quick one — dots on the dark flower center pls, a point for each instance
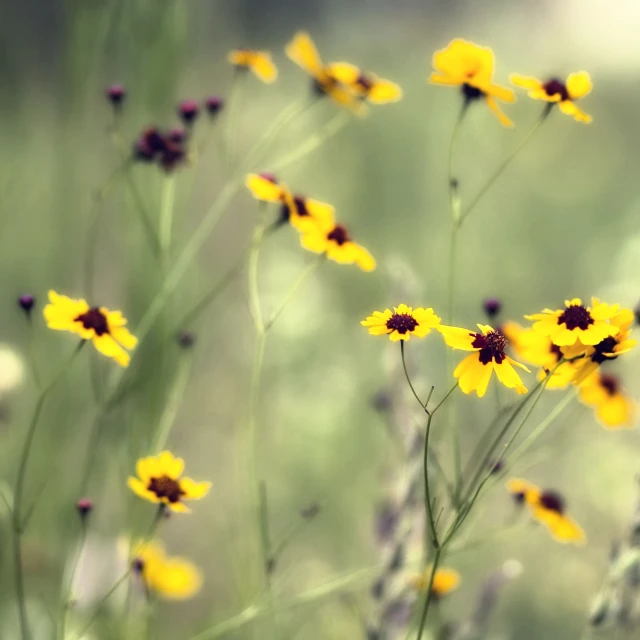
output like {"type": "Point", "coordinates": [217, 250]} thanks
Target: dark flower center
{"type": "Point", "coordinates": [339, 235]}
{"type": "Point", "coordinates": [166, 487]}
{"type": "Point", "coordinates": [576, 316]}
{"type": "Point", "coordinates": [609, 383]}
{"type": "Point", "coordinates": [300, 209]}
{"type": "Point", "coordinates": [552, 501]}
{"type": "Point", "coordinates": [364, 82]}
{"type": "Point", "coordinates": [602, 348]}
{"type": "Point", "coordinates": [491, 345]}
{"type": "Point", "coordinates": [519, 497]}
{"type": "Point", "coordinates": [557, 351]}
{"type": "Point", "coordinates": [402, 323]}
{"type": "Point", "coordinates": [555, 86]}
{"type": "Point", "coordinates": [94, 319]}
{"type": "Point", "coordinates": [471, 93]}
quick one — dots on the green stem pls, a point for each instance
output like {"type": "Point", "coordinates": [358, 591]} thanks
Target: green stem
{"type": "Point", "coordinates": [67, 593]}
{"type": "Point", "coordinates": [498, 172]}
{"type": "Point", "coordinates": [33, 363]}
{"type": "Point", "coordinates": [232, 110]}
{"type": "Point", "coordinates": [423, 405]}
{"type": "Point", "coordinates": [167, 204]}
{"type": "Point", "coordinates": [429, 595]}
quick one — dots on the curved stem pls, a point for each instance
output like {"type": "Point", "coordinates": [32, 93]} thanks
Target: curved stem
{"type": "Point", "coordinates": [423, 405]}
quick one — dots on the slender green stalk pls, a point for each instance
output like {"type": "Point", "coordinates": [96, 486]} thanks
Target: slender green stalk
{"type": "Point", "coordinates": [505, 163]}
{"type": "Point", "coordinates": [33, 363]}
{"type": "Point", "coordinates": [406, 375]}
{"type": "Point", "coordinates": [233, 117]}
{"type": "Point", "coordinates": [67, 592]}
{"type": "Point", "coordinates": [167, 205]}
{"type": "Point", "coordinates": [429, 595]}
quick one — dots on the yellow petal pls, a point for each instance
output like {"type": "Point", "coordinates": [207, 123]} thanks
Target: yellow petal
{"type": "Point", "coordinates": [169, 465]}
{"type": "Point", "coordinates": [384, 91]}
{"type": "Point", "coordinates": [458, 338]}
{"type": "Point", "coordinates": [263, 67]}
{"type": "Point", "coordinates": [444, 581]}
{"type": "Point", "coordinates": [303, 52]}
{"type": "Point", "coordinates": [493, 105]}
{"type": "Point", "coordinates": [239, 57]}
{"type": "Point", "coordinates": [578, 85]}
{"type": "Point", "coordinates": [194, 490]}
{"type": "Point", "coordinates": [107, 346]}
{"type": "Point", "coordinates": [526, 82]}
{"type": "Point", "coordinates": [314, 241]}
{"type": "Point", "coordinates": [263, 189]}
{"type": "Point", "coordinates": [344, 72]}
{"type": "Point", "coordinates": [140, 489]}
{"type": "Point", "coordinates": [174, 578]}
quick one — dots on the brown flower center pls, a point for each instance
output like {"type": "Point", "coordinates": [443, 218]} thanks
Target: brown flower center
{"type": "Point", "coordinates": [576, 316]}
{"type": "Point", "coordinates": [602, 348]}
{"type": "Point", "coordinates": [364, 82]}
{"type": "Point", "coordinates": [491, 345]}
{"type": "Point", "coordinates": [339, 235]}
{"type": "Point", "coordinates": [166, 487]}
{"type": "Point", "coordinates": [94, 319]}
{"type": "Point", "coordinates": [402, 323]}
{"type": "Point", "coordinates": [554, 87]}
{"type": "Point", "coordinates": [552, 501]}
{"type": "Point", "coordinates": [469, 92]}
{"type": "Point", "coordinates": [610, 383]}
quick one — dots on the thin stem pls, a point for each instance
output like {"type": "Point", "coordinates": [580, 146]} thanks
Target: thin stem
{"type": "Point", "coordinates": [67, 593]}
{"type": "Point", "coordinates": [167, 204]}
{"type": "Point", "coordinates": [429, 596]}
{"type": "Point", "coordinates": [233, 116]}
{"type": "Point", "coordinates": [33, 363]}
{"type": "Point", "coordinates": [501, 167]}
{"type": "Point", "coordinates": [423, 405]}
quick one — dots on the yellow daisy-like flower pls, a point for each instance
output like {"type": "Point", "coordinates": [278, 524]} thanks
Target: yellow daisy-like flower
{"type": "Point", "coordinates": [402, 322]}
{"type": "Point", "coordinates": [259, 62]}
{"type": "Point", "coordinates": [564, 94]}
{"type": "Point", "coordinates": [106, 329]}
{"type": "Point", "coordinates": [470, 66]}
{"type": "Point", "coordinates": [159, 480]}
{"type": "Point", "coordinates": [474, 372]}
{"type": "Point", "coordinates": [548, 507]}
{"type": "Point", "coordinates": [301, 212]}
{"type": "Point", "coordinates": [325, 236]}
{"type": "Point", "coordinates": [613, 408]}
{"type": "Point", "coordinates": [538, 350]}
{"type": "Point", "coordinates": [609, 349]}
{"type": "Point", "coordinates": [576, 324]}
{"type": "Point", "coordinates": [365, 85]}
{"type": "Point", "coordinates": [173, 578]}
{"type": "Point", "coordinates": [445, 581]}
{"type": "Point", "coordinates": [303, 52]}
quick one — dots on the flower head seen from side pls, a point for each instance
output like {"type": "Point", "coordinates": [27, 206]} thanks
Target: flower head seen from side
{"type": "Point", "coordinates": [365, 84]}
{"type": "Point", "coordinates": [488, 346]}
{"type": "Point", "coordinates": [160, 481]}
{"type": "Point", "coordinates": [614, 409]}
{"type": "Point", "coordinates": [549, 508]}
{"type": "Point", "coordinates": [444, 581]}
{"type": "Point", "coordinates": [402, 322]}
{"type": "Point", "coordinates": [300, 212]}
{"type": "Point", "coordinates": [470, 66]}
{"type": "Point", "coordinates": [258, 62]}
{"type": "Point", "coordinates": [302, 51]}
{"type": "Point", "coordinates": [555, 91]}
{"type": "Point", "coordinates": [106, 329]}
{"type": "Point", "coordinates": [577, 325]}
{"type": "Point", "coordinates": [334, 240]}
{"type": "Point", "coordinates": [170, 577]}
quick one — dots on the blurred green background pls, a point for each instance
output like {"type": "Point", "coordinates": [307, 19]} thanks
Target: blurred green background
{"type": "Point", "coordinates": [561, 222]}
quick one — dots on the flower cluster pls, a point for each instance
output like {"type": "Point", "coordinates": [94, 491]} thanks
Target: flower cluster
{"type": "Point", "coordinates": [166, 148]}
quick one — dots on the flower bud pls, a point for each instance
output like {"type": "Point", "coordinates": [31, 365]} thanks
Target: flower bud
{"type": "Point", "coordinates": [26, 302]}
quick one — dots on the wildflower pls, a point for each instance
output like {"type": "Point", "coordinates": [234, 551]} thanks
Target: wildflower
{"type": "Point", "coordinates": [26, 302]}
{"type": "Point", "coordinates": [470, 66]}
{"type": "Point", "coordinates": [549, 508]}
{"type": "Point", "coordinates": [116, 95]}
{"type": "Point", "coordinates": [402, 322]}
{"type": "Point", "coordinates": [445, 581]}
{"type": "Point", "coordinates": [492, 307]}
{"type": "Point", "coordinates": [106, 329]}
{"type": "Point", "coordinates": [303, 52]}
{"type": "Point", "coordinates": [259, 62]}
{"type": "Point", "coordinates": [576, 324]}
{"type": "Point", "coordinates": [301, 212]}
{"type": "Point", "coordinates": [474, 372]}
{"type": "Point", "coordinates": [173, 578]}
{"type": "Point", "coordinates": [555, 91]}
{"type": "Point", "coordinates": [159, 480]}
{"type": "Point", "coordinates": [365, 85]}
{"type": "Point", "coordinates": [188, 111]}
{"type": "Point", "coordinates": [214, 105]}
{"type": "Point", "coordinates": [325, 236]}
{"type": "Point", "coordinates": [604, 393]}
{"type": "Point", "coordinates": [84, 506]}
{"type": "Point", "coordinates": [177, 135]}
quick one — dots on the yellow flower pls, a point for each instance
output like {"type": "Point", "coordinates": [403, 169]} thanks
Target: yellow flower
{"type": "Point", "coordinates": [609, 349]}
{"type": "Point", "coordinates": [303, 52]}
{"type": "Point", "coordinates": [474, 372]}
{"type": "Point", "coordinates": [445, 581]}
{"type": "Point", "coordinates": [259, 62]}
{"type": "Point", "coordinates": [564, 94]}
{"type": "Point", "coordinates": [106, 329]}
{"type": "Point", "coordinates": [159, 480]}
{"type": "Point", "coordinates": [173, 578]}
{"type": "Point", "coordinates": [549, 508]}
{"type": "Point", "coordinates": [301, 212]}
{"type": "Point", "coordinates": [325, 236]}
{"type": "Point", "coordinates": [613, 407]}
{"type": "Point", "coordinates": [365, 85]}
{"type": "Point", "coordinates": [402, 322]}
{"type": "Point", "coordinates": [470, 66]}
{"type": "Point", "coordinates": [577, 325]}
{"type": "Point", "coordinates": [538, 350]}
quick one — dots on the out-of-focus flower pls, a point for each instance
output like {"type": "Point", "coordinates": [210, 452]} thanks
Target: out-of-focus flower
{"type": "Point", "coordinates": [613, 408]}
{"type": "Point", "coordinates": [548, 507]}
{"type": "Point", "coordinates": [303, 52]}
{"type": "Point", "coordinates": [26, 302]}
{"type": "Point", "coordinates": [555, 91]}
{"type": "Point", "coordinates": [474, 372]}
{"type": "Point", "coordinates": [156, 146]}
{"type": "Point", "coordinates": [445, 581]}
{"type": "Point", "coordinates": [365, 85]}
{"type": "Point", "coordinates": [84, 506]}
{"type": "Point", "coordinates": [188, 111]}
{"type": "Point", "coordinates": [172, 578]}
{"type": "Point", "coordinates": [258, 62]}
{"type": "Point", "coordinates": [492, 307]}
{"type": "Point", "coordinates": [116, 95]}
{"type": "Point", "coordinates": [106, 329]}
{"type": "Point", "coordinates": [402, 322]}
{"type": "Point", "coordinates": [470, 66]}
{"type": "Point", "coordinates": [159, 480]}
{"type": "Point", "coordinates": [213, 105]}
{"type": "Point", "coordinates": [12, 368]}
{"type": "Point", "coordinates": [577, 324]}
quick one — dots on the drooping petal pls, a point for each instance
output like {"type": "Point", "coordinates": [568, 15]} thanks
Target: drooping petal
{"type": "Point", "coordinates": [263, 67]}
{"type": "Point", "coordinates": [303, 52]}
{"type": "Point", "coordinates": [263, 189]}
{"type": "Point", "coordinates": [384, 91]}
{"type": "Point", "coordinates": [194, 490]}
{"type": "Point", "coordinates": [458, 338]}
{"type": "Point", "coordinates": [107, 346]}
{"type": "Point", "coordinates": [493, 105]}
{"type": "Point", "coordinates": [578, 85]}
{"type": "Point", "coordinates": [526, 82]}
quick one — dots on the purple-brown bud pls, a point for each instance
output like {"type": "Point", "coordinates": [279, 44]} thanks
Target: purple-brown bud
{"type": "Point", "coordinates": [186, 340]}
{"type": "Point", "coordinates": [214, 105]}
{"type": "Point", "coordinates": [84, 507]}
{"type": "Point", "coordinates": [492, 307]}
{"type": "Point", "coordinates": [26, 302]}
{"type": "Point", "coordinates": [188, 110]}
{"type": "Point", "coordinates": [116, 95]}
